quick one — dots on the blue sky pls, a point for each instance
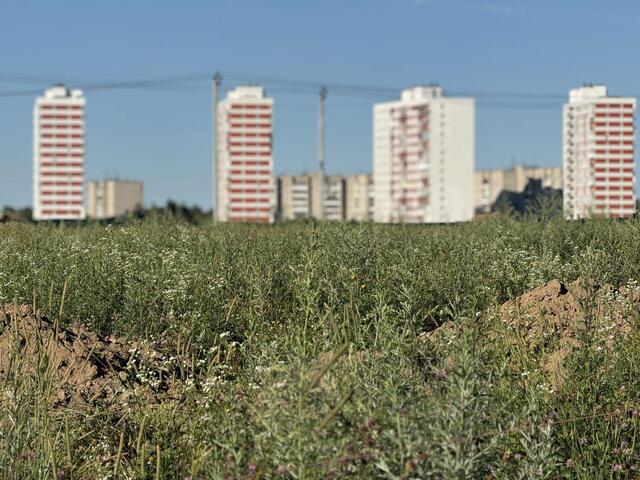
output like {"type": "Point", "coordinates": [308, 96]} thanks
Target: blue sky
{"type": "Point", "coordinates": [162, 135]}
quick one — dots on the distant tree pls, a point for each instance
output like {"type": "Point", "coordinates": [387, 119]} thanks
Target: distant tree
{"type": "Point", "coordinates": [17, 214]}
{"type": "Point", "coordinates": [546, 206]}
{"type": "Point", "coordinates": [504, 207]}
{"type": "Point", "coordinates": [174, 211]}
{"type": "Point", "coordinates": [535, 201]}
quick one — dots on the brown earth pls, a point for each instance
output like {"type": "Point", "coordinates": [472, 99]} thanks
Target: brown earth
{"type": "Point", "coordinates": [74, 366]}
{"type": "Point", "coordinates": [551, 321]}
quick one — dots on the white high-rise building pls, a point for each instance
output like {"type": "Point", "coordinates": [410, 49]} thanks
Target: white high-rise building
{"type": "Point", "coordinates": [598, 154]}
{"type": "Point", "coordinates": [244, 170]}
{"type": "Point", "coordinates": [423, 157]}
{"type": "Point", "coordinates": [58, 155]}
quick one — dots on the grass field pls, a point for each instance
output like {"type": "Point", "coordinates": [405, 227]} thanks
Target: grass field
{"type": "Point", "coordinates": [303, 351]}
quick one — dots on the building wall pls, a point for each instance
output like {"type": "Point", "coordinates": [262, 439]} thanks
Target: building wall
{"type": "Point", "coordinates": [382, 161]}
{"type": "Point", "coordinates": [244, 170]}
{"type": "Point", "coordinates": [113, 198]}
{"type": "Point", "coordinates": [316, 195]}
{"type": "Point", "coordinates": [359, 195]}
{"type": "Point", "coordinates": [332, 207]}
{"type": "Point", "coordinates": [334, 198]}
{"type": "Point", "coordinates": [128, 196]}
{"type": "Point", "coordinates": [490, 183]}
{"type": "Point", "coordinates": [598, 154]}
{"type": "Point", "coordinates": [95, 200]}
{"type": "Point", "coordinates": [424, 153]}
{"type": "Point", "coordinates": [300, 197]}
{"type": "Point", "coordinates": [456, 159]}
{"type": "Point", "coordinates": [58, 155]}
{"type": "Point", "coordinates": [295, 196]}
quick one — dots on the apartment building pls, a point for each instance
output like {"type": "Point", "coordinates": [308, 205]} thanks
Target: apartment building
{"type": "Point", "coordinates": [301, 196]}
{"type": "Point", "coordinates": [113, 198]}
{"type": "Point", "coordinates": [423, 157]}
{"type": "Point", "coordinates": [598, 154]}
{"type": "Point", "coordinates": [359, 197]}
{"type": "Point", "coordinates": [333, 204]}
{"type": "Point", "coordinates": [294, 197]}
{"type": "Point", "coordinates": [244, 165]}
{"type": "Point", "coordinates": [58, 154]}
{"type": "Point", "coordinates": [489, 184]}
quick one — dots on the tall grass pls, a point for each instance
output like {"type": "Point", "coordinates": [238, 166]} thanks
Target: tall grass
{"type": "Point", "coordinates": [314, 365]}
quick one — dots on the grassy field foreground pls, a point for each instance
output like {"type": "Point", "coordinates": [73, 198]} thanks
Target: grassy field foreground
{"type": "Point", "coordinates": [328, 351]}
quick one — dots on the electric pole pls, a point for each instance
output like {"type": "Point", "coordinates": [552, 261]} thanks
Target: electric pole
{"type": "Point", "coordinates": [216, 81]}
{"type": "Point", "coordinates": [323, 95]}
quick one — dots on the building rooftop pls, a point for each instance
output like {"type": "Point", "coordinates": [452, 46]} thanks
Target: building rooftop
{"type": "Point", "coordinates": [421, 92]}
{"type": "Point", "coordinates": [246, 92]}
{"type": "Point", "coordinates": [587, 91]}
{"type": "Point", "coordinates": [62, 91]}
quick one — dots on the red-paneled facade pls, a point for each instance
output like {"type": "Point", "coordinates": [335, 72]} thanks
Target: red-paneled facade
{"type": "Point", "coordinates": [59, 149]}
{"type": "Point", "coordinates": [599, 155]}
{"type": "Point", "coordinates": [245, 169]}
{"type": "Point", "coordinates": [409, 163]}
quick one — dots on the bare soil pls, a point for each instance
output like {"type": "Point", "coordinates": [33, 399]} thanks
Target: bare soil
{"type": "Point", "coordinates": [549, 322]}
{"type": "Point", "coordinates": [553, 319]}
{"type": "Point", "coordinates": [74, 366]}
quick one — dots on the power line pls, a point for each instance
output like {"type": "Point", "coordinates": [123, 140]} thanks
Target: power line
{"type": "Point", "coordinates": [287, 86]}
{"type": "Point", "coordinates": [290, 85]}
{"type": "Point", "coordinates": [20, 93]}
{"type": "Point", "coordinates": [153, 88]}
{"type": "Point", "coordinates": [21, 78]}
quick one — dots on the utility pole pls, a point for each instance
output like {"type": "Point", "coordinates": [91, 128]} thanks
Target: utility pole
{"type": "Point", "coordinates": [323, 95]}
{"type": "Point", "coordinates": [215, 151]}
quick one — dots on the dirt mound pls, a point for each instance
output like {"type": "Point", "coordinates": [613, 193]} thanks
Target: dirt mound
{"type": "Point", "coordinates": [74, 366]}
{"type": "Point", "coordinates": [552, 319]}
{"type": "Point", "coordinates": [549, 322]}
{"type": "Point", "coordinates": [552, 299]}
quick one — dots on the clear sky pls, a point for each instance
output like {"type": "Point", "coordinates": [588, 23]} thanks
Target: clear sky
{"type": "Point", "coordinates": [162, 134]}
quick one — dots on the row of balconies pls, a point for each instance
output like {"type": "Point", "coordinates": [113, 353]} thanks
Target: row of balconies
{"type": "Point", "coordinates": [61, 196]}
{"type": "Point", "coordinates": [602, 150]}
{"type": "Point", "coordinates": [409, 131]}
{"type": "Point", "coordinates": [239, 131]}
{"type": "Point", "coordinates": [60, 152]}
{"type": "Point", "coordinates": [412, 142]}
{"type": "Point", "coordinates": [239, 180]}
{"type": "Point", "coordinates": [56, 173]}
{"type": "Point", "coordinates": [55, 129]}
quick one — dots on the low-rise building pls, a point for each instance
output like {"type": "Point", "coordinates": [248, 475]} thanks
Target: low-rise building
{"type": "Point", "coordinates": [311, 196]}
{"type": "Point", "coordinates": [489, 184]}
{"type": "Point", "coordinates": [359, 197]}
{"type": "Point", "coordinates": [334, 197]}
{"type": "Point", "coordinates": [294, 197]}
{"type": "Point", "coordinates": [113, 197]}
